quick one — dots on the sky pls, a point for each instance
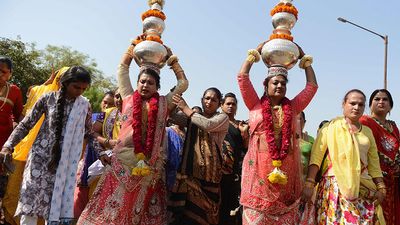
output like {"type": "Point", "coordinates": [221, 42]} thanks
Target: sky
{"type": "Point", "coordinates": [211, 39]}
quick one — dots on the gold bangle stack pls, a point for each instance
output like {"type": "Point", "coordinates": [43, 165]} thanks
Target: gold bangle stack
{"type": "Point", "coordinates": [253, 56]}
{"type": "Point", "coordinates": [381, 187]}
{"type": "Point", "coordinates": [172, 60]}
{"type": "Point", "coordinates": [306, 61]}
{"type": "Point", "coordinates": [129, 51]}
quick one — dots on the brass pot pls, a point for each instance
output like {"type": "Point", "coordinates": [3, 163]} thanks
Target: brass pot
{"type": "Point", "coordinates": [150, 52]}
{"type": "Point", "coordinates": [280, 52]}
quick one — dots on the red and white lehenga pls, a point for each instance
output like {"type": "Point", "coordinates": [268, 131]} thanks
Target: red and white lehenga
{"type": "Point", "coordinates": [121, 198]}
{"type": "Point", "coordinates": [264, 202]}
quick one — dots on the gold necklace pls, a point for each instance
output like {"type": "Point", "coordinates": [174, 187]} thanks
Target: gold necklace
{"type": "Point", "coordinates": [386, 125]}
{"type": "Point", "coordinates": [278, 120]}
{"type": "Point", "coordinates": [6, 96]}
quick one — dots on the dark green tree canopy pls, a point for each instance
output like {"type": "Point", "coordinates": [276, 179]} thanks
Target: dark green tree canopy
{"type": "Point", "coordinates": [34, 67]}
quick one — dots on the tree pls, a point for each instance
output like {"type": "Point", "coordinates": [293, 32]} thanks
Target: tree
{"type": "Point", "coordinates": [54, 57]}
{"type": "Point", "coordinates": [27, 63]}
{"type": "Point", "coordinates": [33, 67]}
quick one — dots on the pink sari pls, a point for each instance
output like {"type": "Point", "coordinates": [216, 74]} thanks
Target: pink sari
{"type": "Point", "coordinates": [121, 198]}
{"type": "Point", "coordinates": [264, 202]}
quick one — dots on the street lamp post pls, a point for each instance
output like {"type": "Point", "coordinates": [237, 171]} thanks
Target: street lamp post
{"type": "Point", "coordinates": [386, 41]}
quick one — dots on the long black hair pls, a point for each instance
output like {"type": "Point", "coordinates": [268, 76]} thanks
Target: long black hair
{"type": "Point", "coordinates": [73, 74]}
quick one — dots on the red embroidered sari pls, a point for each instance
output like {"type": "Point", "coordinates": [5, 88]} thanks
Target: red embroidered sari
{"type": "Point", "coordinates": [389, 155]}
{"type": "Point", "coordinates": [264, 202]}
{"type": "Point", "coordinates": [121, 198]}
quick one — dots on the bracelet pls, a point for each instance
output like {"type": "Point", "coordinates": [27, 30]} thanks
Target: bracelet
{"type": "Point", "coordinates": [309, 184]}
{"type": "Point", "coordinates": [253, 56]}
{"type": "Point", "coordinates": [306, 61]}
{"type": "Point", "coordinates": [130, 50]}
{"type": "Point", "coordinates": [172, 60]}
{"type": "Point", "coordinates": [380, 185]}
{"type": "Point", "coordinates": [311, 180]}
{"type": "Point", "coordinates": [179, 71]}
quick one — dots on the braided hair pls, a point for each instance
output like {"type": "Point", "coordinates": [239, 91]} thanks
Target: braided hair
{"type": "Point", "coordinates": [73, 74]}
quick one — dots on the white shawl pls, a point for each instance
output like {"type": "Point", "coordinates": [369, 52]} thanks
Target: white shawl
{"type": "Point", "coordinates": [62, 201]}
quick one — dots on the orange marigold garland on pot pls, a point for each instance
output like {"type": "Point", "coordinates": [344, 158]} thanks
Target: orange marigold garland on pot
{"type": "Point", "coordinates": [154, 12]}
{"type": "Point", "coordinates": [285, 7]}
{"type": "Point", "coordinates": [154, 38]}
{"type": "Point", "coordinates": [148, 38]}
{"type": "Point", "coordinates": [281, 36]}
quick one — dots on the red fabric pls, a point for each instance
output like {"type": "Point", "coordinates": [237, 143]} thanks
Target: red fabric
{"type": "Point", "coordinates": [389, 154]}
{"type": "Point", "coordinates": [271, 200]}
{"type": "Point", "coordinates": [121, 198]}
{"type": "Point", "coordinates": [9, 113]}
{"type": "Point", "coordinates": [81, 198]}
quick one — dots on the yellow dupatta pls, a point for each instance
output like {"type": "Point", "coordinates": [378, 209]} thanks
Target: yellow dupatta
{"type": "Point", "coordinates": [22, 149]}
{"type": "Point", "coordinates": [113, 111]}
{"type": "Point", "coordinates": [345, 157]}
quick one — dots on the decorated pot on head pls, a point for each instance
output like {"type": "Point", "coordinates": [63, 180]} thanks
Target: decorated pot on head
{"type": "Point", "coordinates": [151, 50]}
{"type": "Point", "coordinates": [280, 49]}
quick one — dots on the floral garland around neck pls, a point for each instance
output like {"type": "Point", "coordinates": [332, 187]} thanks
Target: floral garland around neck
{"type": "Point", "coordinates": [143, 151]}
{"type": "Point", "coordinates": [278, 153]}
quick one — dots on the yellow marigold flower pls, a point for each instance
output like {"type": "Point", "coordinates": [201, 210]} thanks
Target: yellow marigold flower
{"type": "Point", "coordinates": [277, 163]}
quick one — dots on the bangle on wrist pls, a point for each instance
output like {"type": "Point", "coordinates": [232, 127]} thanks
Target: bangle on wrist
{"type": "Point", "coordinates": [309, 184]}
{"type": "Point", "coordinates": [253, 56]}
{"type": "Point", "coordinates": [311, 180]}
{"type": "Point", "coordinates": [172, 60]}
{"type": "Point", "coordinates": [305, 61]}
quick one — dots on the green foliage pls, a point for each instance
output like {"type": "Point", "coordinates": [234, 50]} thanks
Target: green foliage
{"type": "Point", "coordinates": [95, 96]}
{"type": "Point", "coordinates": [26, 59]}
{"type": "Point", "coordinates": [33, 66]}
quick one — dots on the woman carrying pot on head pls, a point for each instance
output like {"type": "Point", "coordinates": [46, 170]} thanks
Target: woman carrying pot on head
{"type": "Point", "coordinates": [352, 188]}
{"type": "Point", "coordinates": [272, 174]}
{"type": "Point", "coordinates": [132, 189]}
{"type": "Point", "coordinates": [387, 140]}
{"type": "Point", "coordinates": [50, 171]}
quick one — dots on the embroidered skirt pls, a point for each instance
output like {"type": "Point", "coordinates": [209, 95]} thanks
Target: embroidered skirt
{"type": "Point", "coordinates": [113, 204]}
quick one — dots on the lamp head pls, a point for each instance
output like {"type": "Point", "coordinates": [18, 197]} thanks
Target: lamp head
{"type": "Point", "coordinates": [342, 20]}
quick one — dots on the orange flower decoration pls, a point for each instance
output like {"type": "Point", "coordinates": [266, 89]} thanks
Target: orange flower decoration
{"type": "Point", "coordinates": [149, 38]}
{"type": "Point", "coordinates": [281, 36]}
{"type": "Point", "coordinates": [154, 38]}
{"type": "Point", "coordinates": [153, 12]}
{"type": "Point", "coordinates": [282, 7]}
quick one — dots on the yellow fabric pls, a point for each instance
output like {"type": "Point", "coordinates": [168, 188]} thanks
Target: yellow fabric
{"type": "Point", "coordinates": [345, 157]}
{"type": "Point", "coordinates": [116, 127]}
{"type": "Point", "coordinates": [374, 167]}
{"type": "Point", "coordinates": [22, 149]}
{"type": "Point", "coordinates": [319, 147]}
